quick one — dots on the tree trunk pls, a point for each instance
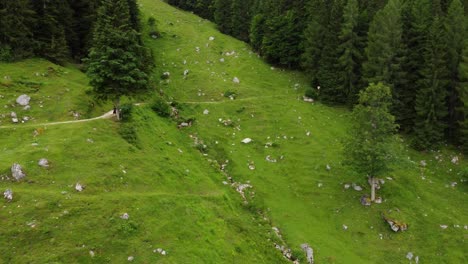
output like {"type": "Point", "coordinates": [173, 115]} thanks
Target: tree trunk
{"type": "Point", "coordinates": [372, 183]}
{"type": "Point", "coordinates": [117, 108]}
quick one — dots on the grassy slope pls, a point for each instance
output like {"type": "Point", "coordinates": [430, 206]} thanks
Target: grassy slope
{"type": "Point", "coordinates": [177, 201]}
{"type": "Point", "coordinates": [267, 110]}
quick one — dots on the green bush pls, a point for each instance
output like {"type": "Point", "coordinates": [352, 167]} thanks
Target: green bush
{"type": "Point", "coordinates": [230, 94]}
{"type": "Point", "coordinates": [311, 93]}
{"type": "Point", "coordinates": [128, 132]}
{"type": "Point", "coordinates": [126, 112]}
{"type": "Point", "coordinates": [160, 107]}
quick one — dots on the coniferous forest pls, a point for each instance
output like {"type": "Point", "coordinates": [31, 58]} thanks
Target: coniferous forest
{"type": "Point", "coordinates": [417, 47]}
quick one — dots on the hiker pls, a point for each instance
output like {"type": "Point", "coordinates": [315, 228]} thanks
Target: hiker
{"type": "Point", "coordinates": [115, 110]}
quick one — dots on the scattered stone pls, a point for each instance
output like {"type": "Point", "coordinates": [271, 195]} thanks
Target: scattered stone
{"type": "Point", "coordinates": [270, 159]}
{"type": "Point", "coordinates": [345, 227]}
{"type": "Point", "coordinates": [423, 163]}
{"type": "Point", "coordinates": [409, 256]}
{"type": "Point", "coordinates": [197, 49]}
{"type": "Point", "coordinates": [26, 108]}
{"type": "Point", "coordinates": [79, 187]}
{"type": "Point", "coordinates": [211, 38]}
{"type": "Point", "coordinates": [328, 167]}
{"type": "Point", "coordinates": [89, 140]}
{"type": "Point", "coordinates": [309, 253]}
{"type": "Point", "coordinates": [91, 253]}
{"type": "Point", "coordinates": [378, 200]}
{"type": "Point", "coordinates": [365, 200]}
{"type": "Point", "coordinates": [308, 133]}
{"type": "Point", "coordinates": [416, 259]}
{"type": "Point", "coordinates": [205, 112]}
{"type": "Point", "coordinates": [13, 115]}
{"type": "Point", "coordinates": [166, 75]}
{"type": "Point", "coordinates": [346, 186]}
{"type": "Point", "coordinates": [455, 160]}
{"type": "Point", "coordinates": [130, 258]}
{"type": "Point", "coordinates": [17, 171]}
{"type": "Point", "coordinates": [43, 163]}
{"type": "Point", "coordinates": [8, 195]}
{"type": "Point", "coordinates": [23, 100]}
{"type": "Point", "coordinates": [14, 120]}
{"type": "Point", "coordinates": [453, 184]}
{"type": "Point", "coordinates": [25, 118]}
{"type": "Point", "coordinates": [443, 226]}
{"type": "Point", "coordinates": [246, 140]}
{"type": "Point", "coordinates": [125, 216]}
{"type": "Point", "coordinates": [308, 99]}
{"type": "Point", "coordinates": [357, 187]}
{"type": "Point", "coordinates": [320, 185]}
{"type": "Point", "coordinates": [395, 225]}
{"type": "Point", "coordinates": [221, 60]}
{"type": "Point", "coordinates": [186, 72]}
{"type": "Point", "coordinates": [235, 80]}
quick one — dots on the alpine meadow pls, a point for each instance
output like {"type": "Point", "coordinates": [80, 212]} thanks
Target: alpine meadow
{"type": "Point", "coordinates": [229, 131]}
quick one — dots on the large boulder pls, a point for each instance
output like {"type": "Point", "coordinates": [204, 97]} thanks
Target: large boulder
{"type": "Point", "coordinates": [17, 172]}
{"type": "Point", "coordinates": [23, 100]}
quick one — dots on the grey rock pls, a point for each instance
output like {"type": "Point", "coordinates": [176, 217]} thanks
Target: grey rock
{"type": "Point", "coordinates": [43, 163]}
{"type": "Point", "coordinates": [8, 194]}
{"type": "Point", "coordinates": [27, 107]}
{"type": "Point", "coordinates": [13, 115]}
{"type": "Point", "coordinates": [365, 200]}
{"type": "Point", "coordinates": [14, 120]}
{"type": "Point", "coordinates": [17, 171]}
{"type": "Point", "coordinates": [357, 187]}
{"type": "Point", "coordinates": [79, 187]}
{"type": "Point", "coordinates": [125, 216]}
{"type": "Point", "coordinates": [409, 256]}
{"type": "Point", "coordinates": [309, 253]}
{"type": "Point", "coordinates": [23, 100]}
{"type": "Point", "coordinates": [235, 80]}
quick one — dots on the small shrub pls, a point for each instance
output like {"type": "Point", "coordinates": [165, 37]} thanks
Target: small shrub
{"type": "Point", "coordinates": [230, 94]}
{"type": "Point", "coordinates": [126, 112]}
{"type": "Point", "coordinates": [311, 93]}
{"type": "Point", "coordinates": [128, 132]}
{"type": "Point", "coordinates": [161, 108]}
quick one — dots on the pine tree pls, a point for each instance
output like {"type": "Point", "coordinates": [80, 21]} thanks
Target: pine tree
{"type": "Point", "coordinates": [223, 15]}
{"type": "Point", "coordinates": [430, 102]}
{"type": "Point", "coordinates": [386, 51]}
{"type": "Point", "coordinates": [241, 17]}
{"type": "Point", "coordinates": [16, 35]}
{"type": "Point", "coordinates": [115, 65]}
{"type": "Point", "coordinates": [282, 40]}
{"type": "Point", "coordinates": [417, 22]}
{"type": "Point", "coordinates": [367, 148]}
{"type": "Point", "coordinates": [257, 31]}
{"type": "Point", "coordinates": [456, 34]}
{"type": "Point", "coordinates": [350, 53]}
{"type": "Point", "coordinates": [463, 96]}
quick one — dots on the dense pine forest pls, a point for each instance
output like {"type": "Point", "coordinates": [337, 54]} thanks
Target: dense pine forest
{"type": "Point", "coordinates": [417, 47]}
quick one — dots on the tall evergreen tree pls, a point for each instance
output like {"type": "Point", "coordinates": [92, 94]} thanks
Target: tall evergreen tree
{"type": "Point", "coordinates": [456, 34]}
{"type": "Point", "coordinates": [463, 95]}
{"type": "Point", "coordinates": [115, 64]}
{"type": "Point", "coordinates": [16, 34]}
{"type": "Point", "coordinates": [417, 22]}
{"type": "Point", "coordinates": [257, 31]}
{"type": "Point", "coordinates": [328, 72]}
{"type": "Point", "coordinates": [386, 51]}
{"type": "Point", "coordinates": [430, 102]}
{"type": "Point", "coordinates": [223, 15]}
{"type": "Point", "coordinates": [241, 18]}
{"type": "Point", "coordinates": [350, 53]}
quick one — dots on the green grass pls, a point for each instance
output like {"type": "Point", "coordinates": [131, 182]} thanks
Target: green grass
{"type": "Point", "coordinates": [174, 194]}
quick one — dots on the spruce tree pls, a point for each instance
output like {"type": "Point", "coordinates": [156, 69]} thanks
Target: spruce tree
{"type": "Point", "coordinates": [417, 22]}
{"type": "Point", "coordinates": [115, 66]}
{"type": "Point", "coordinates": [16, 29]}
{"type": "Point", "coordinates": [463, 96]}
{"type": "Point", "coordinates": [350, 53]}
{"type": "Point", "coordinates": [241, 17]}
{"type": "Point", "coordinates": [257, 32]}
{"type": "Point", "coordinates": [223, 15]}
{"type": "Point", "coordinates": [430, 102]}
{"type": "Point", "coordinates": [455, 36]}
{"type": "Point", "coordinates": [386, 51]}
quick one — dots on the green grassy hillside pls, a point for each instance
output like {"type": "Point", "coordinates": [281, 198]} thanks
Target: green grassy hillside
{"type": "Point", "coordinates": [174, 193]}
